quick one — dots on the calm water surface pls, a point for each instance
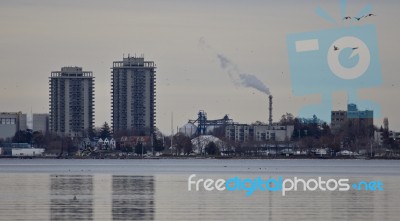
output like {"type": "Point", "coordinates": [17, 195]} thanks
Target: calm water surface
{"type": "Point", "coordinates": [157, 190]}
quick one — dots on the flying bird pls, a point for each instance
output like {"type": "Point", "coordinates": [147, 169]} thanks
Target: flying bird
{"type": "Point", "coordinates": [369, 15]}
{"type": "Point", "coordinates": [347, 18]}
{"type": "Point", "coordinates": [355, 48]}
{"type": "Point", "coordinates": [358, 18]}
{"type": "Point", "coordinates": [335, 48]}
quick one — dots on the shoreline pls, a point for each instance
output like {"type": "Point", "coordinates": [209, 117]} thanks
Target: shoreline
{"type": "Point", "coordinates": [203, 157]}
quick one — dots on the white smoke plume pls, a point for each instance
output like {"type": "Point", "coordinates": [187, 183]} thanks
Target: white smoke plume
{"type": "Point", "coordinates": [237, 77]}
{"type": "Point", "coordinates": [252, 81]}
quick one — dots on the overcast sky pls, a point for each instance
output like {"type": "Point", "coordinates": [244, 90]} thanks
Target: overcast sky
{"type": "Point", "coordinates": [37, 37]}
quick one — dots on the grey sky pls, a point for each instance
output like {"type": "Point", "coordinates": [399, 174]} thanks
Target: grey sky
{"type": "Point", "coordinates": [38, 37]}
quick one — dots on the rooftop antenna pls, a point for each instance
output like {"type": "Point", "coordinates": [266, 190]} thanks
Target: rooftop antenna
{"type": "Point", "coordinates": [172, 127]}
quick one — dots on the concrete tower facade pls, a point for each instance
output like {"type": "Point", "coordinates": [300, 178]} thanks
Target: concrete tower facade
{"type": "Point", "coordinates": [133, 96]}
{"type": "Point", "coordinates": [40, 122]}
{"type": "Point", "coordinates": [11, 123]}
{"type": "Point", "coordinates": [71, 102]}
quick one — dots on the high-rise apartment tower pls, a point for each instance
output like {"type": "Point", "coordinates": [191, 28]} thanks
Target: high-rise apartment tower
{"type": "Point", "coordinates": [71, 102]}
{"type": "Point", "coordinates": [133, 96]}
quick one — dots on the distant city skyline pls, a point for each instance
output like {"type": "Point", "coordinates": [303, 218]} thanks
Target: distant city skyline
{"type": "Point", "coordinates": [42, 36]}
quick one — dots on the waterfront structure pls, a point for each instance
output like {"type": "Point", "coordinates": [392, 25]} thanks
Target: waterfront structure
{"type": "Point", "coordinates": [24, 152]}
{"type": "Point", "coordinates": [361, 119]}
{"type": "Point", "coordinates": [245, 132]}
{"type": "Point", "coordinates": [108, 142]}
{"type": "Point", "coordinates": [40, 122]}
{"type": "Point", "coordinates": [338, 119]}
{"type": "Point", "coordinates": [10, 123]}
{"type": "Point", "coordinates": [133, 96]}
{"type": "Point", "coordinates": [378, 137]}
{"type": "Point", "coordinates": [189, 129]}
{"type": "Point", "coordinates": [71, 102]}
{"type": "Point", "coordinates": [391, 135]}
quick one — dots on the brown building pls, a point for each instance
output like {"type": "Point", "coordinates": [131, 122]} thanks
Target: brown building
{"type": "Point", "coordinates": [338, 119]}
{"type": "Point", "coordinates": [353, 118]}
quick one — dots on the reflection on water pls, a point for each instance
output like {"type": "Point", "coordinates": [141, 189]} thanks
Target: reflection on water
{"type": "Point", "coordinates": [164, 196]}
{"type": "Point", "coordinates": [133, 197]}
{"type": "Point", "coordinates": [316, 205]}
{"type": "Point", "coordinates": [71, 197]}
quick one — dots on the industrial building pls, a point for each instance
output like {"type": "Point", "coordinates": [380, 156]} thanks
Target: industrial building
{"type": "Point", "coordinates": [392, 135]}
{"type": "Point", "coordinates": [361, 119]}
{"type": "Point", "coordinates": [189, 129]}
{"type": "Point", "coordinates": [246, 133]}
{"type": "Point", "coordinates": [10, 123]}
{"type": "Point", "coordinates": [40, 122]}
{"type": "Point", "coordinates": [204, 125]}
{"type": "Point", "coordinates": [133, 96]}
{"type": "Point", "coordinates": [26, 152]}
{"type": "Point", "coordinates": [239, 132]}
{"type": "Point", "coordinates": [71, 101]}
{"type": "Point", "coordinates": [338, 118]}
